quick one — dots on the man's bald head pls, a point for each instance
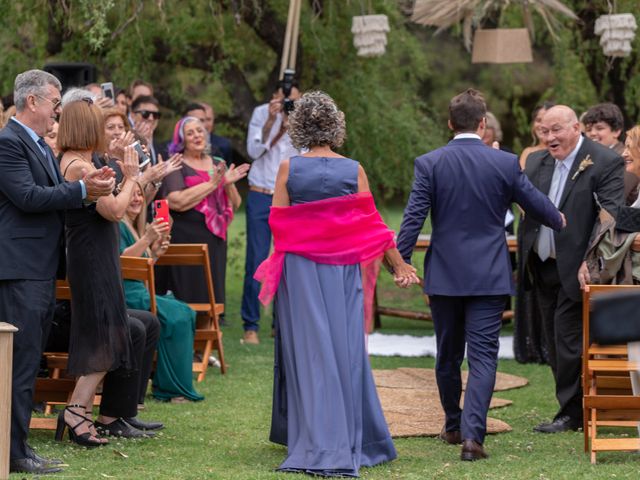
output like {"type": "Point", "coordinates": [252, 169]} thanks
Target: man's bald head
{"type": "Point", "coordinates": [563, 112]}
{"type": "Point", "coordinates": [560, 129]}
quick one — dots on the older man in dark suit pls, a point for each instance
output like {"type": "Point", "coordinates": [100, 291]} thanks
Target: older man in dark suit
{"type": "Point", "coordinates": [33, 197]}
{"type": "Point", "coordinates": [578, 175]}
{"type": "Point", "coordinates": [468, 187]}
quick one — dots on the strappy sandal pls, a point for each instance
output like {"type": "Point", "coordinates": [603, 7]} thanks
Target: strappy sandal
{"type": "Point", "coordinates": [84, 439]}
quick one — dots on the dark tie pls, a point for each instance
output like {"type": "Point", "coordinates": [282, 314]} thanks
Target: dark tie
{"type": "Point", "coordinates": [50, 161]}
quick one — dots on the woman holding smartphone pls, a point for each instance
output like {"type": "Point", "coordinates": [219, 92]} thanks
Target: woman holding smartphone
{"type": "Point", "coordinates": [173, 379]}
{"type": "Point", "coordinates": [202, 198]}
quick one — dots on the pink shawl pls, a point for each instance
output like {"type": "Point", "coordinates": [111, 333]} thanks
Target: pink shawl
{"type": "Point", "coordinates": [215, 207]}
{"type": "Point", "coordinates": [343, 230]}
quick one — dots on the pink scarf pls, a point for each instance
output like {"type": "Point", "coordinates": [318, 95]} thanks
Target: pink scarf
{"type": "Point", "coordinates": [337, 231]}
{"type": "Point", "coordinates": [215, 207]}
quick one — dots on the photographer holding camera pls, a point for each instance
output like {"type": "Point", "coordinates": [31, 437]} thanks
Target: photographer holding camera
{"type": "Point", "coordinates": [268, 143]}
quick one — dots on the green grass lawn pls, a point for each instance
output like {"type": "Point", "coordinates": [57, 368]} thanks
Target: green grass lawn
{"type": "Point", "coordinates": [226, 435]}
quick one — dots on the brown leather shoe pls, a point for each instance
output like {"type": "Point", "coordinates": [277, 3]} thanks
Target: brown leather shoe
{"type": "Point", "coordinates": [472, 450]}
{"type": "Point", "coordinates": [251, 337]}
{"type": "Point", "coordinates": [453, 438]}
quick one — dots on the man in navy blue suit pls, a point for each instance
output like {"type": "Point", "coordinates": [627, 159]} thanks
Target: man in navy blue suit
{"type": "Point", "coordinates": [33, 197]}
{"type": "Point", "coordinates": [468, 187]}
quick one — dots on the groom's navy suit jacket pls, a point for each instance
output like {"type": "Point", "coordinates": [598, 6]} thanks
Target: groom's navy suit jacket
{"type": "Point", "coordinates": [468, 188]}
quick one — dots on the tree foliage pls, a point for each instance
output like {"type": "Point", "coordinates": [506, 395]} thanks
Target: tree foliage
{"type": "Point", "coordinates": [227, 52]}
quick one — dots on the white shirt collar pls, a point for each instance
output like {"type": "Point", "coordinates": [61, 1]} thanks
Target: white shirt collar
{"type": "Point", "coordinates": [568, 161]}
{"type": "Point", "coordinates": [467, 135]}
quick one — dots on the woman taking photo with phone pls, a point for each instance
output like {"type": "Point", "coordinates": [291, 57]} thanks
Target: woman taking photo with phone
{"type": "Point", "coordinates": [173, 379]}
{"type": "Point", "coordinates": [202, 198]}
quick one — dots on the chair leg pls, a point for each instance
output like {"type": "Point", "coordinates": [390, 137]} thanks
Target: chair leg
{"type": "Point", "coordinates": [208, 347]}
{"type": "Point", "coordinates": [585, 428]}
{"type": "Point", "coordinates": [218, 346]}
{"type": "Point", "coordinates": [593, 434]}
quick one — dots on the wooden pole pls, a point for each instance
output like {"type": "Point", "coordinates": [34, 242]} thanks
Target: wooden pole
{"type": "Point", "coordinates": [287, 38]}
{"type": "Point", "coordinates": [6, 358]}
{"type": "Point", "coordinates": [294, 36]}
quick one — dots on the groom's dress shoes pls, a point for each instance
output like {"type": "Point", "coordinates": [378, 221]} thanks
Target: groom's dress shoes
{"type": "Point", "coordinates": [31, 465]}
{"type": "Point", "coordinates": [453, 438]}
{"type": "Point", "coordinates": [472, 451]}
{"type": "Point", "coordinates": [563, 423]}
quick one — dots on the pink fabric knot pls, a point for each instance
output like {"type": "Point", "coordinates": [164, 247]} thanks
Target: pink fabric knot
{"type": "Point", "coordinates": [215, 207]}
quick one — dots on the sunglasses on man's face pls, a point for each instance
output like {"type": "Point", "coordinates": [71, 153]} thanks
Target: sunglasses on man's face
{"type": "Point", "coordinates": [148, 113]}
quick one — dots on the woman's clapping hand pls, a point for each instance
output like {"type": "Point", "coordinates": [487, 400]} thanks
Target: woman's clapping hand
{"type": "Point", "coordinates": [217, 173]}
{"type": "Point", "coordinates": [233, 174]}
{"type": "Point", "coordinates": [129, 165]}
{"type": "Point", "coordinates": [116, 145]}
{"type": "Point", "coordinates": [157, 172]}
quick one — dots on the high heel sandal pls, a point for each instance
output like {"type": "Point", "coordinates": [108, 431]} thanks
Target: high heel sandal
{"type": "Point", "coordinates": [83, 439]}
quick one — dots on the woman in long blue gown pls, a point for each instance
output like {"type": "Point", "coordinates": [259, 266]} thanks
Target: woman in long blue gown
{"type": "Point", "coordinates": [326, 408]}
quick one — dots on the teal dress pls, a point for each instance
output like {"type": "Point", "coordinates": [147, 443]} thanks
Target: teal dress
{"type": "Point", "coordinates": [173, 376]}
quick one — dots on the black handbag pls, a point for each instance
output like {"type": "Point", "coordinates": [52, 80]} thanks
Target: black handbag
{"type": "Point", "coordinates": [615, 318]}
{"type": "Point", "coordinates": [628, 219]}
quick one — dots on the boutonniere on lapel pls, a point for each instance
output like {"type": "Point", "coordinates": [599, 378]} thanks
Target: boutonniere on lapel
{"type": "Point", "coordinates": [584, 164]}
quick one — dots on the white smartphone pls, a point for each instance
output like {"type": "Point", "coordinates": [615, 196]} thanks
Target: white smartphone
{"type": "Point", "coordinates": [143, 158]}
{"type": "Point", "coordinates": [107, 90]}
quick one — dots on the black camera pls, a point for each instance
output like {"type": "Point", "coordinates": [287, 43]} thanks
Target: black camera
{"type": "Point", "coordinates": [287, 85]}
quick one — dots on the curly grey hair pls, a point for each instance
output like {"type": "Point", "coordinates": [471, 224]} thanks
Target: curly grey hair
{"type": "Point", "coordinates": [316, 121]}
{"type": "Point", "coordinates": [31, 82]}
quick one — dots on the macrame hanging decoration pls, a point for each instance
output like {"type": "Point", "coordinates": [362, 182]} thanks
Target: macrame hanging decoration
{"type": "Point", "coordinates": [616, 33]}
{"type": "Point", "coordinates": [370, 34]}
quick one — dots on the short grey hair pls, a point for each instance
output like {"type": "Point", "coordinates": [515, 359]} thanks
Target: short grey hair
{"type": "Point", "coordinates": [75, 95]}
{"type": "Point", "coordinates": [494, 123]}
{"type": "Point", "coordinates": [32, 82]}
{"type": "Point", "coordinates": [316, 121]}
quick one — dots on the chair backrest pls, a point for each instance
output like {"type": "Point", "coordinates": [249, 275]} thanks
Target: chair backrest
{"type": "Point", "coordinates": [589, 292]}
{"type": "Point", "coordinates": [190, 254]}
{"type": "Point", "coordinates": [140, 268]}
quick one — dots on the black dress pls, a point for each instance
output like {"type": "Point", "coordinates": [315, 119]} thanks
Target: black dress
{"type": "Point", "coordinates": [188, 283]}
{"type": "Point", "coordinates": [99, 339]}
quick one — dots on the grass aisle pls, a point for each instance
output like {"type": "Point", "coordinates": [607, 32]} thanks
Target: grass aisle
{"type": "Point", "coordinates": [226, 435]}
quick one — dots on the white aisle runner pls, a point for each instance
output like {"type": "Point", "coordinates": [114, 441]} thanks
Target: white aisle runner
{"type": "Point", "coordinates": [411, 346]}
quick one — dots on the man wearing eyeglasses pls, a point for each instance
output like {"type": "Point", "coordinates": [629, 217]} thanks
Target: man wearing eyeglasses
{"type": "Point", "coordinates": [145, 113]}
{"type": "Point", "coordinates": [33, 197]}
{"type": "Point", "coordinates": [577, 174]}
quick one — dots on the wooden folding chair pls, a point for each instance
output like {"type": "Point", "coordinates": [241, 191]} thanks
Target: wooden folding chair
{"type": "Point", "coordinates": [141, 268]}
{"type": "Point", "coordinates": [608, 398]}
{"type": "Point", "coordinates": [208, 334]}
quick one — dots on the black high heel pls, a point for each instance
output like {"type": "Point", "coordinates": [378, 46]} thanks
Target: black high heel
{"type": "Point", "coordinates": [83, 439]}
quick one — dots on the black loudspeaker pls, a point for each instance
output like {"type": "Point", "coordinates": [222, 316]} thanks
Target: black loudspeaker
{"type": "Point", "coordinates": [72, 74]}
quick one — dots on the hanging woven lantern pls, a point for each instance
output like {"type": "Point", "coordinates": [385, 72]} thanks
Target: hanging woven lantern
{"type": "Point", "coordinates": [502, 45]}
{"type": "Point", "coordinates": [616, 33]}
{"type": "Point", "coordinates": [370, 34]}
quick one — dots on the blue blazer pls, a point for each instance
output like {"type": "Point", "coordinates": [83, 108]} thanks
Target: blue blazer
{"type": "Point", "coordinates": [468, 187]}
{"type": "Point", "coordinates": [32, 204]}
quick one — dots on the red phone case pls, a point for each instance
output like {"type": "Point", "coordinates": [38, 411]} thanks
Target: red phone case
{"type": "Point", "coordinates": [162, 209]}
